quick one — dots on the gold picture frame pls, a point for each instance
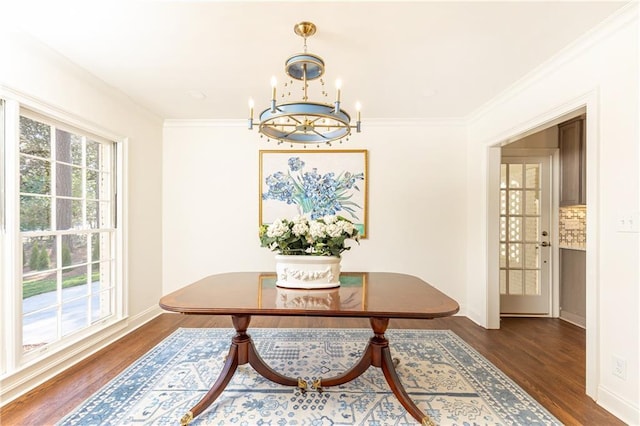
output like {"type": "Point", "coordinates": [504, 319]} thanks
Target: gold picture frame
{"type": "Point", "coordinates": [337, 179]}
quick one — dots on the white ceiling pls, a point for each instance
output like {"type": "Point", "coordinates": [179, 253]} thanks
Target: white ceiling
{"type": "Point", "coordinates": [400, 59]}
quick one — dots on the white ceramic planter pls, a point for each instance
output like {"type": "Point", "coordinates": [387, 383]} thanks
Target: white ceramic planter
{"type": "Point", "coordinates": [308, 272]}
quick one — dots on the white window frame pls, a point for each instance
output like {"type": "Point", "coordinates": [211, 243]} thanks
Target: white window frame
{"type": "Point", "coordinates": [16, 367]}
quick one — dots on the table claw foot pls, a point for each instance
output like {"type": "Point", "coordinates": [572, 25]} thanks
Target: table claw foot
{"type": "Point", "coordinates": [302, 384]}
{"type": "Point", "coordinates": [427, 421]}
{"type": "Point", "coordinates": [317, 385]}
{"type": "Point", "coordinates": [186, 419]}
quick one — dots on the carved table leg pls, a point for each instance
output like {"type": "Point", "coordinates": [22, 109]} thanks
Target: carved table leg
{"type": "Point", "coordinates": [242, 351]}
{"type": "Point", "coordinates": [377, 354]}
{"type": "Point", "coordinates": [361, 366]}
{"type": "Point", "coordinates": [389, 371]}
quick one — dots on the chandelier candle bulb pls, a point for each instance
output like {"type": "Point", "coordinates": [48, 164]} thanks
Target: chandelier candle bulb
{"type": "Point", "coordinates": [274, 83]}
{"type": "Point", "coordinates": [336, 109]}
{"type": "Point", "coordinates": [250, 113]}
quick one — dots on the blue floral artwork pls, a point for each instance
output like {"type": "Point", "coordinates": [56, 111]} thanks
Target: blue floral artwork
{"type": "Point", "coordinates": [313, 184]}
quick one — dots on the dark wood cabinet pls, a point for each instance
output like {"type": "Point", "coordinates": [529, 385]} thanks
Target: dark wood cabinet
{"type": "Point", "coordinates": [573, 182]}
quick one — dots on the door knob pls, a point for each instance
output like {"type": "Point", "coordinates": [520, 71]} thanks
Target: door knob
{"type": "Point", "coordinates": [545, 244]}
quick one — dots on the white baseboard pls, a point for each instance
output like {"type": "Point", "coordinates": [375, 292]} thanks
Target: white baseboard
{"type": "Point", "coordinates": [622, 409]}
{"type": "Point", "coordinates": [29, 378]}
{"type": "Point", "coordinates": [573, 319]}
{"type": "Point", "coordinates": [475, 317]}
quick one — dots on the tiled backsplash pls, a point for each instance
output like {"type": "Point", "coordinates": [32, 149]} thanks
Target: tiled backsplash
{"type": "Point", "coordinates": [573, 226]}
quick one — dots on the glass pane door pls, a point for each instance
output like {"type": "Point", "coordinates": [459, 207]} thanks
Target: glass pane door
{"type": "Point", "coordinates": [524, 236]}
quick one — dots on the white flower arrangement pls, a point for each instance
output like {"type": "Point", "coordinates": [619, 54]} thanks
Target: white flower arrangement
{"type": "Point", "coordinates": [303, 236]}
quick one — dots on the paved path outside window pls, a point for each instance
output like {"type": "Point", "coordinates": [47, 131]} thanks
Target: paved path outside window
{"type": "Point", "coordinates": [40, 327]}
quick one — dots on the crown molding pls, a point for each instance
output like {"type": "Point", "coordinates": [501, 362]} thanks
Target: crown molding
{"type": "Point", "coordinates": [618, 20]}
{"type": "Point", "coordinates": [204, 122]}
{"type": "Point", "coordinates": [58, 113]}
{"type": "Point", "coordinates": [415, 122]}
{"type": "Point", "coordinates": [372, 122]}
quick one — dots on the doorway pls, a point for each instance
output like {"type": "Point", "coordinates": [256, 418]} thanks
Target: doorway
{"type": "Point", "coordinates": [525, 229]}
{"type": "Point", "coordinates": [587, 104]}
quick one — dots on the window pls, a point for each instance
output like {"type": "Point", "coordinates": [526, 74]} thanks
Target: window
{"type": "Point", "coordinates": [65, 269]}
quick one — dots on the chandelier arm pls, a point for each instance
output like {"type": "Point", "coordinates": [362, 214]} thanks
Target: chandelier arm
{"type": "Point", "coordinates": [319, 134]}
{"type": "Point", "coordinates": [324, 126]}
{"type": "Point", "coordinates": [273, 125]}
{"type": "Point", "coordinates": [289, 134]}
{"type": "Point", "coordinates": [293, 117]}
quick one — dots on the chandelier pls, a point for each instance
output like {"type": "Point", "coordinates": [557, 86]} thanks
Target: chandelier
{"type": "Point", "coordinates": [304, 122]}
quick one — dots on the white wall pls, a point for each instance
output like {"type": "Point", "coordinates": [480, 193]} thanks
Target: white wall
{"type": "Point", "coordinates": [416, 202]}
{"type": "Point", "coordinates": [600, 72]}
{"type": "Point", "coordinates": [31, 70]}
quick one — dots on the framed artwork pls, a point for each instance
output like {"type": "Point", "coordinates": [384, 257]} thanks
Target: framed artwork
{"type": "Point", "coordinates": [317, 183]}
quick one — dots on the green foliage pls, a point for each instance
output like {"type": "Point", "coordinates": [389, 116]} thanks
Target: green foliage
{"type": "Point", "coordinates": [35, 256]}
{"type": "Point", "coordinates": [39, 259]}
{"type": "Point", "coordinates": [43, 260]}
{"type": "Point", "coordinates": [35, 287]}
{"type": "Point", "coordinates": [37, 170]}
{"type": "Point", "coordinates": [35, 175]}
{"type": "Point", "coordinates": [35, 213]}
{"type": "Point", "coordinates": [66, 255]}
{"type": "Point", "coordinates": [35, 138]}
{"type": "Point", "coordinates": [95, 251]}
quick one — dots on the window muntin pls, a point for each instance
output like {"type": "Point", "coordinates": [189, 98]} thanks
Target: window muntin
{"type": "Point", "coordinates": [520, 218]}
{"type": "Point", "coordinates": [67, 208]}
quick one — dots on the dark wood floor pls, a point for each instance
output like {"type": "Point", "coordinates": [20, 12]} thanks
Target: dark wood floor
{"type": "Point", "coordinates": [546, 357]}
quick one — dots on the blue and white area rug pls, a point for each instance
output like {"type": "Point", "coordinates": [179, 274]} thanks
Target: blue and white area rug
{"type": "Point", "coordinates": [445, 377]}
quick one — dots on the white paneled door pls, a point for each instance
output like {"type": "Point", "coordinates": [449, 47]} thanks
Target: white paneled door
{"type": "Point", "coordinates": [525, 250]}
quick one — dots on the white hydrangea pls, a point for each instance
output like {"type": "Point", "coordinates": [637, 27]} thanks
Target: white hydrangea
{"type": "Point", "coordinates": [277, 229]}
{"type": "Point", "coordinates": [317, 230]}
{"type": "Point", "coordinates": [313, 236]}
{"type": "Point", "coordinates": [329, 219]}
{"type": "Point", "coordinates": [299, 229]}
{"type": "Point", "coordinates": [334, 230]}
{"type": "Point", "coordinates": [347, 227]}
{"type": "Point", "coordinates": [300, 219]}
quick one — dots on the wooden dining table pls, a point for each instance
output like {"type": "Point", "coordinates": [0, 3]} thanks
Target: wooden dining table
{"type": "Point", "coordinates": [379, 296]}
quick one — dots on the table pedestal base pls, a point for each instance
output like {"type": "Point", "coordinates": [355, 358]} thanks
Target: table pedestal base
{"type": "Point", "coordinates": [243, 351]}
